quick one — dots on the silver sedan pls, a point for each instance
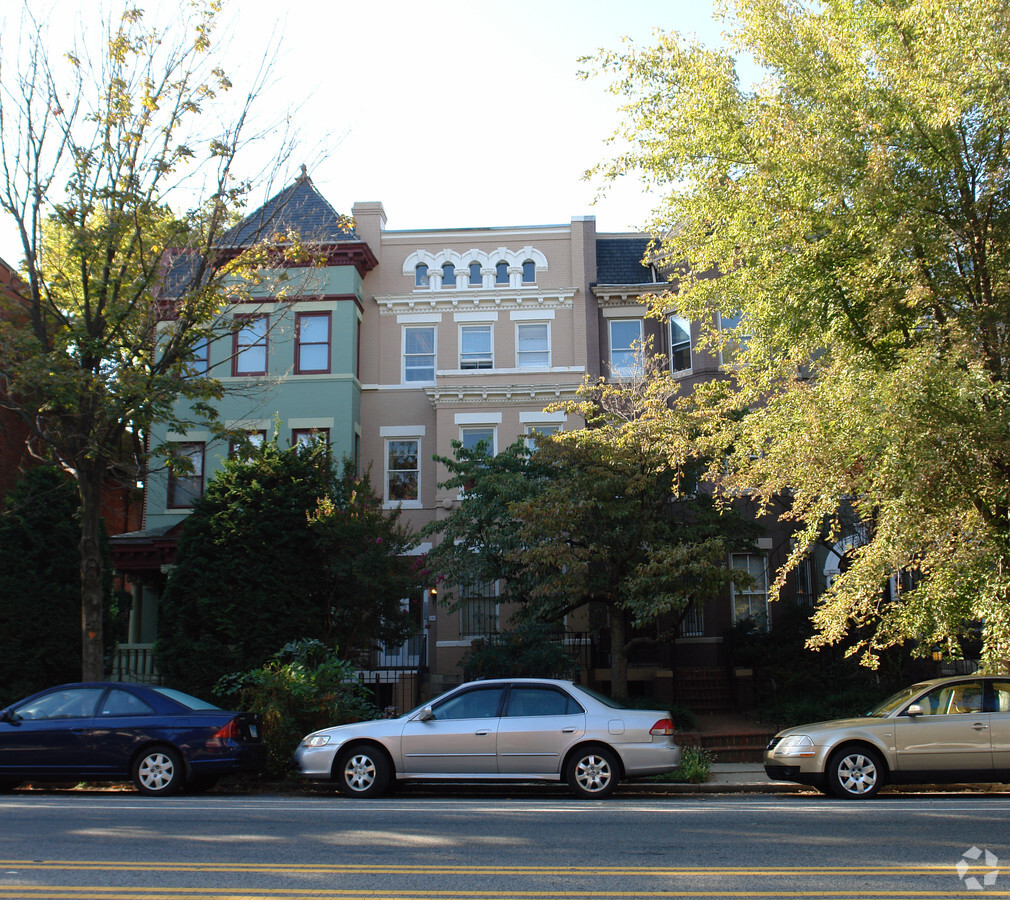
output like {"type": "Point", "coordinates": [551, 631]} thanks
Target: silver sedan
{"type": "Point", "coordinates": [519, 729]}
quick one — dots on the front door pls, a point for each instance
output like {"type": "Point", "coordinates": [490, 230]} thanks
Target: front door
{"type": "Point", "coordinates": [951, 734]}
{"type": "Point", "coordinates": [50, 734]}
{"type": "Point", "coordinates": [461, 739]}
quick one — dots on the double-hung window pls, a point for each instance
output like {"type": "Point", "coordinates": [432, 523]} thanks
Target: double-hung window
{"type": "Point", "coordinates": [533, 345]}
{"type": "Point", "coordinates": [478, 438]}
{"type": "Point", "coordinates": [419, 353]}
{"type": "Point", "coordinates": [750, 600]}
{"type": "Point", "coordinates": [185, 480]}
{"type": "Point", "coordinates": [249, 356]}
{"type": "Point", "coordinates": [312, 343]}
{"type": "Point", "coordinates": [478, 612]}
{"type": "Point", "coordinates": [304, 437]}
{"type": "Point", "coordinates": [475, 347]}
{"type": "Point", "coordinates": [402, 470]}
{"type": "Point", "coordinates": [680, 345]}
{"type": "Point", "coordinates": [625, 347]}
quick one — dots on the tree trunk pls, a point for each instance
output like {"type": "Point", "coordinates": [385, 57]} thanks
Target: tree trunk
{"type": "Point", "coordinates": [89, 483]}
{"type": "Point", "coordinates": [618, 653]}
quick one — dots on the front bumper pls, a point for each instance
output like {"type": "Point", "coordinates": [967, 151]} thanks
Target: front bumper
{"type": "Point", "coordinates": [794, 774]}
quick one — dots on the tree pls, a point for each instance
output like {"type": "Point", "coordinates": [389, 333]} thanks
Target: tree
{"type": "Point", "coordinates": [856, 205]}
{"type": "Point", "coordinates": [96, 145]}
{"type": "Point", "coordinates": [40, 592]}
{"type": "Point", "coordinates": [609, 515]}
{"type": "Point", "coordinates": [281, 549]}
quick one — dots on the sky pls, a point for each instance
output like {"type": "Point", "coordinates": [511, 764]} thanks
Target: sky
{"type": "Point", "coordinates": [452, 113]}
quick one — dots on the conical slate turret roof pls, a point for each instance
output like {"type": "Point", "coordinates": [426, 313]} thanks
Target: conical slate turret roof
{"type": "Point", "coordinates": [299, 208]}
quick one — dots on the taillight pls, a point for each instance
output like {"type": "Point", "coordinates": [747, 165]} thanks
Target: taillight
{"type": "Point", "coordinates": [663, 726]}
{"type": "Point", "coordinates": [229, 732]}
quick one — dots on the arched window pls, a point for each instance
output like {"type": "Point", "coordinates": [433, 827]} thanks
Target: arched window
{"type": "Point", "coordinates": [421, 275]}
{"type": "Point", "coordinates": [448, 275]}
{"type": "Point", "coordinates": [475, 276]}
{"type": "Point", "coordinates": [501, 273]}
{"type": "Point", "coordinates": [529, 272]}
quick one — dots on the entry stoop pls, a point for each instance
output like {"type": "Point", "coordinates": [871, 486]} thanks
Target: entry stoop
{"type": "Point", "coordinates": [705, 691]}
{"type": "Point", "coordinates": [729, 738]}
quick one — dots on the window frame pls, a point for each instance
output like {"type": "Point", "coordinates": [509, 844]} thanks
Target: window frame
{"type": "Point", "coordinates": [388, 472]}
{"type": "Point", "coordinates": [300, 318]}
{"type": "Point", "coordinates": [448, 282]}
{"type": "Point", "coordinates": [547, 349]}
{"type": "Point", "coordinates": [679, 346]}
{"type": "Point", "coordinates": [472, 600]}
{"type": "Point", "coordinates": [635, 369]}
{"type": "Point", "coordinates": [478, 358]}
{"type": "Point", "coordinates": [529, 268]}
{"type": "Point", "coordinates": [762, 621]}
{"type": "Point", "coordinates": [421, 277]}
{"type": "Point", "coordinates": [238, 348]}
{"type": "Point", "coordinates": [175, 497]}
{"type": "Point", "coordinates": [304, 436]}
{"type": "Point", "coordinates": [409, 327]}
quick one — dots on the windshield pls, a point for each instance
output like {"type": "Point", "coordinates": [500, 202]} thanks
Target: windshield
{"type": "Point", "coordinates": [895, 701]}
{"type": "Point", "coordinates": [185, 699]}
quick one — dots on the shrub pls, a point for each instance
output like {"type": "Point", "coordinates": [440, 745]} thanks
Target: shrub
{"type": "Point", "coordinates": [304, 687]}
{"type": "Point", "coordinates": [530, 650]}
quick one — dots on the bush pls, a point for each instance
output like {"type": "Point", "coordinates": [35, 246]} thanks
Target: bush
{"type": "Point", "coordinates": [530, 650]}
{"type": "Point", "coordinates": [695, 768]}
{"type": "Point", "coordinates": [304, 687]}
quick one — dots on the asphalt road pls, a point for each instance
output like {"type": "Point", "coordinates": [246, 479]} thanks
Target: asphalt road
{"type": "Point", "coordinates": [469, 846]}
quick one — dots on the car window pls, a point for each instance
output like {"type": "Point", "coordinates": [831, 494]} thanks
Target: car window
{"type": "Point", "coordinates": [952, 699]}
{"type": "Point", "coordinates": [71, 703]}
{"type": "Point", "coordinates": [540, 701]}
{"type": "Point", "coordinates": [478, 703]}
{"type": "Point", "coordinates": [123, 703]}
{"type": "Point", "coordinates": [1001, 696]}
{"type": "Point", "coordinates": [187, 700]}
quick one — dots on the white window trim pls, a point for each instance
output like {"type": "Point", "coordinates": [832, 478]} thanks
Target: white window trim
{"type": "Point", "coordinates": [733, 588]}
{"type": "Point", "coordinates": [459, 332]}
{"type": "Point", "coordinates": [550, 344]}
{"type": "Point", "coordinates": [403, 352]}
{"type": "Point", "coordinates": [610, 345]}
{"type": "Point", "coordinates": [400, 504]}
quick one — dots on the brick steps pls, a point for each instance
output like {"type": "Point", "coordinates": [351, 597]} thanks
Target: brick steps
{"type": "Point", "coordinates": [729, 738]}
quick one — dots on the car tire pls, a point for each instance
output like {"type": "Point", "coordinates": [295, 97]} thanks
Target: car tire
{"type": "Point", "coordinates": [592, 772]}
{"type": "Point", "coordinates": [362, 771]}
{"type": "Point", "coordinates": [855, 773]}
{"type": "Point", "coordinates": [159, 772]}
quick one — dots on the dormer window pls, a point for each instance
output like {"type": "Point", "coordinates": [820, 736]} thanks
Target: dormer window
{"type": "Point", "coordinates": [448, 276]}
{"type": "Point", "coordinates": [529, 272]}
{"type": "Point", "coordinates": [421, 276]}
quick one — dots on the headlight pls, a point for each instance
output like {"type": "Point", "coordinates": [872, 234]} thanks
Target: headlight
{"type": "Point", "coordinates": [795, 745]}
{"type": "Point", "coordinates": [316, 740]}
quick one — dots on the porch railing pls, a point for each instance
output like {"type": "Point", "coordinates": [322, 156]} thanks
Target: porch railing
{"type": "Point", "coordinates": [135, 663]}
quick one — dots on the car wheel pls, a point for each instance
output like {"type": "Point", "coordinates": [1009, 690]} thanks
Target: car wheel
{"type": "Point", "coordinates": [855, 773]}
{"type": "Point", "coordinates": [159, 771]}
{"type": "Point", "coordinates": [592, 772]}
{"type": "Point", "coordinates": [363, 772]}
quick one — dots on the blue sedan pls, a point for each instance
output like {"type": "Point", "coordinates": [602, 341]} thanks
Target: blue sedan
{"type": "Point", "coordinates": [161, 739]}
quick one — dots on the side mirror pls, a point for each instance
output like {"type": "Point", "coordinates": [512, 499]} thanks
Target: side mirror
{"type": "Point", "coordinates": [8, 716]}
{"type": "Point", "coordinates": [425, 714]}
{"type": "Point", "coordinates": [914, 710]}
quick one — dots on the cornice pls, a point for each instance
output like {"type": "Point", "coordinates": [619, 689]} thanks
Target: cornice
{"type": "Point", "coordinates": [505, 394]}
{"type": "Point", "coordinates": [477, 299]}
{"type": "Point", "coordinates": [622, 294]}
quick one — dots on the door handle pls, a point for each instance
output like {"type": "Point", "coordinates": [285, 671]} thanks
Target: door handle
{"type": "Point", "coordinates": [568, 731]}
{"type": "Point", "coordinates": [482, 733]}
{"type": "Point", "coordinates": [979, 726]}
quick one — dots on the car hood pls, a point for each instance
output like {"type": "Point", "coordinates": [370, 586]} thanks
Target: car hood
{"type": "Point", "coordinates": [836, 724]}
{"type": "Point", "coordinates": [375, 728]}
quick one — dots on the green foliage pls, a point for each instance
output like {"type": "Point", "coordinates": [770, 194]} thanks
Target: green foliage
{"type": "Point", "coordinates": [856, 205]}
{"type": "Point", "coordinates": [530, 649]}
{"type": "Point", "coordinates": [695, 767]}
{"type": "Point", "coordinates": [281, 548]}
{"type": "Point", "coordinates": [300, 689]}
{"type": "Point", "coordinates": [40, 585]}
{"type": "Point", "coordinates": [797, 684]}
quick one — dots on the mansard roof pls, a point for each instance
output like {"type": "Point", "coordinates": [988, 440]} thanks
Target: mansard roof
{"type": "Point", "coordinates": [619, 260]}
